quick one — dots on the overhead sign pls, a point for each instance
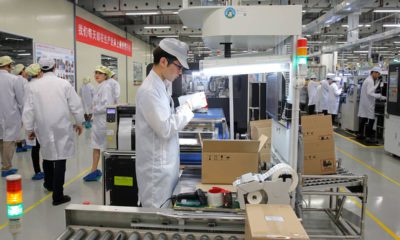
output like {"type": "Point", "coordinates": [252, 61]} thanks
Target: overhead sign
{"type": "Point", "coordinates": [95, 35]}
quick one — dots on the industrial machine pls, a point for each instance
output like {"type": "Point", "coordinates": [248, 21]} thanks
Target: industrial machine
{"type": "Point", "coordinates": [121, 127]}
{"type": "Point", "coordinates": [349, 108]}
{"type": "Point", "coordinates": [272, 187]}
{"type": "Point", "coordinates": [120, 186]}
{"type": "Point", "coordinates": [392, 116]}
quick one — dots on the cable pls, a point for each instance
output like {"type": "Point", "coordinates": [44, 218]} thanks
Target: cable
{"type": "Point", "coordinates": [165, 202]}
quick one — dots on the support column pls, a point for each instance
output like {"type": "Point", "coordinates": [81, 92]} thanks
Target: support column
{"type": "Point", "coordinates": [353, 30]}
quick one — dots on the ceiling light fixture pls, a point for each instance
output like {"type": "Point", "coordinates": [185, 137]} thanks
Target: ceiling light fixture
{"type": "Point", "coordinates": [23, 54]}
{"type": "Point", "coordinates": [141, 13]}
{"type": "Point", "coordinates": [157, 27]}
{"type": "Point", "coordinates": [167, 36]}
{"type": "Point", "coordinates": [391, 25]}
{"type": "Point", "coordinates": [386, 10]}
{"type": "Point", "coordinates": [14, 39]}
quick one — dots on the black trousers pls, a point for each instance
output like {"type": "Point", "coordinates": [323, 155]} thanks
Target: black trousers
{"type": "Point", "coordinates": [366, 126]}
{"type": "Point", "coordinates": [311, 109]}
{"type": "Point", "coordinates": [54, 177]}
{"type": "Point", "coordinates": [333, 118]}
{"type": "Point", "coordinates": [36, 157]}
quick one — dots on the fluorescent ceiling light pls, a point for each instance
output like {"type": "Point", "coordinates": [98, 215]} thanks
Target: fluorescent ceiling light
{"type": "Point", "coordinates": [141, 13]}
{"type": "Point", "coordinates": [391, 25]}
{"type": "Point", "coordinates": [341, 42]}
{"type": "Point", "coordinates": [396, 42]}
{"type": "Point", "coordinates": [387, 10]}
{"type": "Point", "coordinates": [157, 27]}
{"type": "Point", "coordinates": [332, 35]}
{"type": "Point", "coordinates": [194, 36]}
{"type": "Point", "coordinates": [167, 36]}
{"type": "Point", "coordinates": [359, 25]}
{"type": "Point", "coordinates": [23, 54]}
{"type": "Point", "coordinates": [360, 51]}
{"type": "Point", "coordinates": [14, 39]}
{"type": "Point", "coordinates": [244, 69]}
{"type": "Point", "coordinates": [303, 11]}
{"type": "Point", "coordinates": [380, 47]}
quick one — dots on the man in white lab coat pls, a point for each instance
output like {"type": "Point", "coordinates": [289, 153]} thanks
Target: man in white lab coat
{"type": "Point", "coordinates": [323, 94]}
{"type": "Point", "coordinates": [312, 94]}
{"type": "Point", "coordinates": [334, 97]}
{"type": "Point", "coordinates": [49, 103]}
{"type": "Point", "coordinates": [11, 103]}
{"type": "Point", "coordinates": [87, 93]}
{"type": "Point", "coordinates": [366, 111]}
{"type": "Point", "coordinates": [158, 124]}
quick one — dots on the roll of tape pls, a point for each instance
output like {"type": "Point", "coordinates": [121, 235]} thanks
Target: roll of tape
{"type": "Point", "coordinates": [281, 169]}
{"type": "Point", "coordinates": [215, 199]}
{"type": "Point", "coordinates": [255, 197]}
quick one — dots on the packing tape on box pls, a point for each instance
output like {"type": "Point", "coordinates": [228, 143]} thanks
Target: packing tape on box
{"type": "Point", "coordinates": [281, 169]}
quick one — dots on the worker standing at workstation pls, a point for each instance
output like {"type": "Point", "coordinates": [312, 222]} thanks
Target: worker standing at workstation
{"type": "Point", "coordinates": [323, 95]}
{"type": "Point", "coordinates": [48, 107]}
{"type": "Point", "coordinates": [366, 111]}
{"type": "Point", "coordinates": [334, 97]}
{"type": "Point", "coordinates": [87, 93]}
{"type": "Point", "coordinates": [11, 103]}
{"type": "Point", "coordinates": [312, 94]}
{"type": "Point", "coordinates": [158, 124]}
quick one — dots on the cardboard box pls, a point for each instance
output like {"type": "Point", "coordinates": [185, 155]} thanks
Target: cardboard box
{"type": "Point", "coordinates": [262, 127]}
{"type": "Point", "coordinates": [223, 161]}
{"type": "Point", "coordinates": [272, 222]}
{"type": "Point", "coordinates": [319, 145]}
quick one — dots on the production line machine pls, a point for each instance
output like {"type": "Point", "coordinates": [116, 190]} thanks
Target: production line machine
{"type": "Point", "coordinates": [121, 127]}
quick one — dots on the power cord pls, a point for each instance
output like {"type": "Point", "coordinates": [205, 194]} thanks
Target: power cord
{"type": "Point", "coordinates": [166, 201]}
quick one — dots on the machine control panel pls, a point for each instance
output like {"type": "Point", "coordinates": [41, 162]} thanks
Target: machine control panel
{"type": "Point", "coordinates": [111, 115]}
{"type": "Point", "coordinates": [393, 98]}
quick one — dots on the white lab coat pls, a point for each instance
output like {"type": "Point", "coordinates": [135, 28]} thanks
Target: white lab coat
{"type": "Point", "coordinates": [334, 98]}
{"type": "Point", "coordinates": [116, 89]}
{"type": "Point", "coordinates": [87, 93]}
{"type": "Point", "coordinates": [11, 104]}
{"type": "Point", "coordinates": [157, 141]}
{"type": "Point", "coordinates": [102, 99]}
{"type": "Point", "coordinates": [49, 104]}
{"type": "Point", "coordinates": [323, 96]}
{"type": "Point", "coordinates": [312, 92]}
{"type": "Point", "coordinates": [367, 98]}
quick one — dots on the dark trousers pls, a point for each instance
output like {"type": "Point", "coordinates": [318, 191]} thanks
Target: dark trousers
{"type": "Point", "coordinates": [54, 177]}
{"type": "Point", "coordinates": [311, 109]}
{"type": "Point", "coordinates": [36, 157]}
{"type": "Point", "coordinates": [366, 125]}
{"type": "Point", "coordinates": [333, 118]}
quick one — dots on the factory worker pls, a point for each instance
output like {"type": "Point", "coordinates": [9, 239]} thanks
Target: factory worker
{"type": "Point", "coordinates": [116, 88]}
{"type": "Point", "coordinates": [323, 94]}
{"type": "Point", "coordinates": [87, 93]}
{"type": "Point", "coordinates": [11, 103]}
{"type": "Point", "coordinates": [158, 124]}
{"type": "Point", "coordinates": [334, 97]}
{"type": "Point", "coordinates": [34, 72]}
{"type": "Point", "coordinates": [366, 111]}
{"type": "Point", "coordinates": [103, 97]}
{"type": "Point", "coordinates": [49, 104]}
{"type": "Point", "coordinates": [312, 94]}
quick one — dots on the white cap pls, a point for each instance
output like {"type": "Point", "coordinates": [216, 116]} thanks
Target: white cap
{"type": "Point", "coordinates": [337, 79]}
{"type": "Point", "coordinates": [376, 69]}
{"type": "Point", "coordinates": [177, 49]}
{"type": "Point", "coordinates": [313, 76]}
{"type": "Point", "coordinates": [46, 63]}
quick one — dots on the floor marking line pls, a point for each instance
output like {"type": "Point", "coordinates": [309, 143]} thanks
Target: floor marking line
{"type": "Point", "coordinates": [48, 196]}
{"type": "Point", "coordinates": [368, 166]}
{"type": "Point", "coordinates": [355, 142]}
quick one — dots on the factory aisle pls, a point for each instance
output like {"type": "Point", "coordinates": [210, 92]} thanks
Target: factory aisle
{"type": "Point", "coordinates": [44, 221]}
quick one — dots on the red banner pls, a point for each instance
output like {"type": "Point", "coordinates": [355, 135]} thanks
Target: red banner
{"type": "Point", "coordinates": [95, 35]}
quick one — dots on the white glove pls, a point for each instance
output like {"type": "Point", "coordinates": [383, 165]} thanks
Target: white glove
{"type": "Point", "coordinates": [197, 101]}
{"type": "Point", "coordinates": [383, 98]}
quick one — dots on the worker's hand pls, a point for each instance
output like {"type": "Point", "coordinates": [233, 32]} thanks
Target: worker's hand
{"type": "Point", "coordinates": [383, 98]}
{"type": "Point", "coordinates": [78, 128]}
{"type": "Point", "coordinates": [197, 101]}
{"type": "Point", "coordinates": [31, 135]}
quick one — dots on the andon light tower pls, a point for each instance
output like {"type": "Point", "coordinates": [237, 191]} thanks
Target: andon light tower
{"type": "Point", "coordinates": [15, 207]}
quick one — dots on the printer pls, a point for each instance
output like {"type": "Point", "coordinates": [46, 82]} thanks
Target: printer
{"type": "Point", "coordinates": [120, 124]}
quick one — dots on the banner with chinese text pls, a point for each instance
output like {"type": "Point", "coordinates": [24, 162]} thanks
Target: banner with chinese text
{"type": "Point", "coordinates": [95, 35]}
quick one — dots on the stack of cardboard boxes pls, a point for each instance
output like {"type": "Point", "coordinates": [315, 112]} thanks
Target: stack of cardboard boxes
{"type": "Point", "coordinates": [258, 128]}
{"type": "Point", "coordinates": [319, 145]}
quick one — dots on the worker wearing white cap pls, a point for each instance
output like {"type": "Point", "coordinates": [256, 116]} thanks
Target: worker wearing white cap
{"type": "Point", "coordinates": [49, 103]}
{"type": "Point", "coordinates": [334, 97]}
{"type": "Point", "coordinates": [116, 88]}
{"type": "Point", "coordinates": [312, 94]}
{"type": "Point", "coordinates": [11, 102]}
{"type": "Point", "coordinates": [87, 92]}
{"type": "Point", "coordinates": [366, 111]}
{"type": "Point", "coordinates": [158, 124]}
